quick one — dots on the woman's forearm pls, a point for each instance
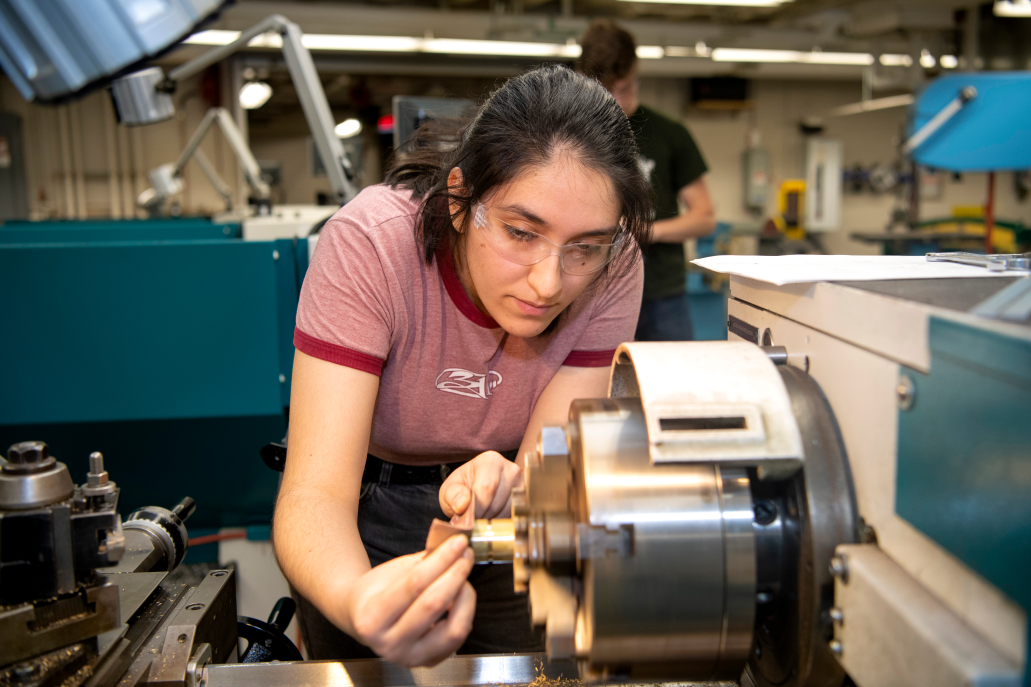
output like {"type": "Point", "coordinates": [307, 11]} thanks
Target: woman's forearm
{"type": "Point", "coordinates": [316, 539]}
{"type": "Point", "coordinates": [315, 528]}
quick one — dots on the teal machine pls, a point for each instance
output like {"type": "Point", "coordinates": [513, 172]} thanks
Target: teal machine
{"type": "Point", "coordinates": [930, 382]}
{"type": "Point", "coordinates": [165, 344]}
{"type": "Point", "coordinates": [964, 461]}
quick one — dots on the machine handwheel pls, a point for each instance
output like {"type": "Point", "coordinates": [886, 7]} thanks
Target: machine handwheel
{"type": "Point", "coordinates": [266, 641]}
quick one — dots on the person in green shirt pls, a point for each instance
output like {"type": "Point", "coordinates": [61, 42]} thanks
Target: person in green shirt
{"type": "Point", "coordinates": [673, 163]}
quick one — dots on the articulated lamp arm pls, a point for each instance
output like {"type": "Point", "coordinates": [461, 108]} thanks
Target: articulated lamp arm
{"type": "Point", "coordinates": [305, 79]}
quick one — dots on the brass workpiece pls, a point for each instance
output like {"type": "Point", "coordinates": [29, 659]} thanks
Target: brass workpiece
{"type": "Point", "coordinates": [493, 541]}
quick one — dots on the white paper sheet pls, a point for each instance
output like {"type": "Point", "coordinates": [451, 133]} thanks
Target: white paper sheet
{"type": "Point", "coordinates": [797, 269]}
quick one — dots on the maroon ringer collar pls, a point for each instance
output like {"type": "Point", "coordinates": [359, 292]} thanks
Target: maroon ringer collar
{"type": "Point", "coordinates": [454, 288]}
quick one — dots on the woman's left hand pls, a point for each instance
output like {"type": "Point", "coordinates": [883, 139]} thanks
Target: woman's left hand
{"type": "Point", "coordinates": [490, 477]}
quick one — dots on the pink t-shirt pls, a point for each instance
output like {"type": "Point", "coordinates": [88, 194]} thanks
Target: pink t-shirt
{"type": "Point", "coordinates": [447, 392]}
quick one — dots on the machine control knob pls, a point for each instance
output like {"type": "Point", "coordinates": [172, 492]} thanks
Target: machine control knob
{"type": "Point", "coordinates": [28, 456]}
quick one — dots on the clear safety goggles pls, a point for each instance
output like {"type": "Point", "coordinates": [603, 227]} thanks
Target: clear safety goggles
{"type": "Point", "coordinates": [525, 247]}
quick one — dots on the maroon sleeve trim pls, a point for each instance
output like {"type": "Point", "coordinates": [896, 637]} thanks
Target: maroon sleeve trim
{"type": "Point", "coordinates": [589, 358]}
{"type": "Point", "coordinates": [332, 353]}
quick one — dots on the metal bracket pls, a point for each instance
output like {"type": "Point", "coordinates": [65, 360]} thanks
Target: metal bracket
{"type": "Point", "coordinates": [708, 402]}
{"type": "Point", "coordinates": [196, 669]}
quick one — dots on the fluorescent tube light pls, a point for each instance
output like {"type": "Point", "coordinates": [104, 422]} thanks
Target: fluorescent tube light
{"type": "Point", "coordinates": [896, 60]}
{"type": "Point", "coordinates": [847, 58]}
{"type": "Point", "coordinates": [322, 41]}
{"type": "Point", "coordinates": [460, 46]}
{"type": "Point", "coordinates": [700, 49]}
{"type": "Point", "coordinates": [213, 37]}
{"type": "Point", "coordinates": [720, 3]}
{"type": "Point", "coordinates": [347, 43]}
{"type": "Point", "coordinates": [650, 52]}
{"type": "Point", "coordinates": [790, 56]}
{"type": "Point", "coordinates": [871, 105]}
{"type": "Point", "coordinates": [1012, 8]}
{"type": "Point", "coordinates": [753, 55]}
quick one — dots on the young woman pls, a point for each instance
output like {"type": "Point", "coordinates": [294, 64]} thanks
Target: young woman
{"type": "Point", "coordinates": [446, 317]}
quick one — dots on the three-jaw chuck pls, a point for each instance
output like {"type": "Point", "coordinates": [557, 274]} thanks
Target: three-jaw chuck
{"type": "Point", "coordinates": [682, 528]}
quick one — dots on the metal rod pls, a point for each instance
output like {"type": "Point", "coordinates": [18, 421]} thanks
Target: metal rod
{"type": "Point", "coordinates": [871, 105]}
{"type": "Point", "coordinates": [198, 136]}
{"type": "Point", "coordinates": [209, 171]}
{"type": "Point", "coordinates": [251, 169]}
{"type": "Point", "coordinates": [939, 120]}
{"type": "Point", "coordinates": [316, 111]}
{"type": "Point", "coordinates": [195, 66]}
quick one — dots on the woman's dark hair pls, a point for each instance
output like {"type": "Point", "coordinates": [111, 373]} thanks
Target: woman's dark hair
{"type": "Point", "coordinates": [521, 125]}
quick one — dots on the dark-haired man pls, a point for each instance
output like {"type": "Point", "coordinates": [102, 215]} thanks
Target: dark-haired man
{"type": "Point", "coordinates": [673, 163]}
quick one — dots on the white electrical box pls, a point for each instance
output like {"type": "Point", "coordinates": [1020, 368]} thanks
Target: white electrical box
{"type": "Point", "coordinates": [755, 163]}
{"type": "Point", "coordinates": [823, 184]}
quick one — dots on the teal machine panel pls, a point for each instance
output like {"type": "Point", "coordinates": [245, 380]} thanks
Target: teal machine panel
{"type": "Point", "coordinates": [172, 357]}
{"type": "Point", "coordinates": [92, 231]}
{"type": "Point", "coordinates": [964, 454]}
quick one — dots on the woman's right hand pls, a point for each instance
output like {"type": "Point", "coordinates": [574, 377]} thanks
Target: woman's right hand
{"type": "Point", "coordinates": [395, 608]}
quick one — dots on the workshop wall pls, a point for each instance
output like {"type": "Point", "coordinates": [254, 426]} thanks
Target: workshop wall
{"type": "Point", "coordinates": [777, 108]}
{"type": "Point", "coordinates": [80, 163]}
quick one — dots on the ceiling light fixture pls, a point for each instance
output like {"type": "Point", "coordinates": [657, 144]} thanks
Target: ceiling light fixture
{"type": "Point", "coordinates": [927, 60]}
{"type": "Point", "coordinates": [1012, 8]}
{"type": "Point", "coordinates": [348, 128]}
{"type": "Point", "coordinates": [255, 94]}
{"type": "Point", "coordinates": [948, 61]}
{"type": "Point", "coordinates": [650, 52]}
{"type": "Point", "coordinates": [791, 56]}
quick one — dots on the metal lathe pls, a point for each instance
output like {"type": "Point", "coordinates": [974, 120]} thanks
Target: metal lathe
{"type": "Point", "coordinates": [838, 495]}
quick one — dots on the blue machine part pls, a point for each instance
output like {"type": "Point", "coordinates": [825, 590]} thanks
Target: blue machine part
{"type": "Point", "coordinates": [173, 358]}
{"type": "Point", "coordinates": [708, 306]}
{"type": "Point", "coordinates": [52, 48]}
{"type": "Point", "coordinates": [992, 132]}
{"type": "Point", "coordinates": [964, 463]}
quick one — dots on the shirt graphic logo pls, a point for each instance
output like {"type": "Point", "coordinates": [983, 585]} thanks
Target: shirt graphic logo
{"type": "Point", "coordinates": [455, 380]}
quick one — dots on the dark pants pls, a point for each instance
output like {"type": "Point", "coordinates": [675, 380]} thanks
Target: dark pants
{"type": "Point", "coordinates": [393, 520]}
{"type": "Point", "coordinates": [665, 319]}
